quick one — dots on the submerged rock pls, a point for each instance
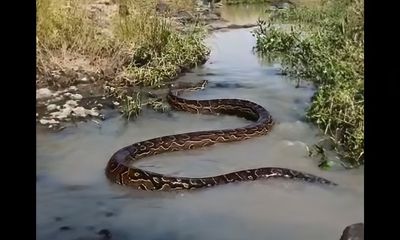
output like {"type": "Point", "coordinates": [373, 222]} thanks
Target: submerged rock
{"type": "Point", "coordinates": [353, 232]}
{"type": "Point", "coordinates": [105, 233]}
{"type": "Point", "coordinates": [65, 228]}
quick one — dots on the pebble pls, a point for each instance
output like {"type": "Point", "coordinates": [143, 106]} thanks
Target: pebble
{"type": "Point", "coordinates": [65, 228]}
{"type": "Point", "coordinates": [59, 98]}
{"type": "Point", "coordinates": [63, 113]}
{"type": "Point", "coordinates": [73, 88]}
{"type": "Point", "coordinates": [51, 107]}
{"type": "Point", "coordinates": [109, 214]}
{"type": "Point", "coordinates": [76, 96]}
{"type": "Point", "coordinates": [106, 233]}
{"type": "Point", "coordinates": [51, 121]}
{"type": "Point", "coordinates": [43, 93]}
{"type": "Point", "coordinates": [92, 112]}
{"type": "Point", "coordinates": [71, 103]}
{"type": "Point", "coordinates": [79, 112]}
{"type": "Point", "coordinates": [116, 103]}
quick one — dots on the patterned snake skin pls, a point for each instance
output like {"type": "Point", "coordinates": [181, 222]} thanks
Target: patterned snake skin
{"type": "Point", "coordinates": [120, 170]}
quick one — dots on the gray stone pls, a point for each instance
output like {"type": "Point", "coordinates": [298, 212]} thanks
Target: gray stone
{"type": "Point", "coordinates": [43, 93]}
{"type": "Point", "coordinates": [353, 232]}
{"type": "Point", "coordinates": [76, 96]}
{"type": "Point", "coordinates": [51, 121]}
{"type": "Point", "coordinates": [79, 112]}
{"type": "Point", "coordinates": [71, 103]}
{"type": "Point", "coordinates": [51, 107]}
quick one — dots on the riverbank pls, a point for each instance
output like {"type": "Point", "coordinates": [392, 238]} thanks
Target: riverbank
{"type": "Point", "coordinates": [96, 54]}
{"type": "Point", "coordinates": [327, 48]}
{"type": "Point", "coordinates": [71, 184]}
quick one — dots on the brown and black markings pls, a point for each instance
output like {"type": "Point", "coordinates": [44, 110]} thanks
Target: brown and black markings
{"type": "Point", "coordinates": [120, 171]}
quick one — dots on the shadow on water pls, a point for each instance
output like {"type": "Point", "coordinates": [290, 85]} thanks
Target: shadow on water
{"type": "Point", "coordinates": [75, 200]}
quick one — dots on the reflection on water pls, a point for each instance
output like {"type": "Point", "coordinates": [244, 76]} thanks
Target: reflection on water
{"type": "Point", "coordinates": [75, 200]}
{"type": "Point", "coordinates": [243, 14]}
{"type": "Point", "coordinates": [249, 13]}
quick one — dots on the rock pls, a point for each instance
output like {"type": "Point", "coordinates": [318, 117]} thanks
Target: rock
{"type": "Point", "coordinates": [92, 112]}
{"type": "Point", "coordinates": [65, 228]}
{"type": "Point", "coordinates": [43, 93]}
{"type": "Point", "coordinates": [63, 113]}
{"type": "Point", "coordinates": [51, 121]}
{"type": "Point", "coordinates": [109, 214]}
{"type": "Point", "coordinates": [67, 94]}
{"type": "Point", "coordinates": [76, 96]}
{"type": "Point", "coordinates": [105, 233]}
{"type": "Point", "coordinates": [56, 99]}
{"type": "Point", "coordinates": [116, 103]}
{"type": "Point", "coordinates": [51, 107]}
{"type": "Point", "coordinates": [79, 112]}
{"type": "Point", "coordinates": [84, 80]}
{"type": "Point", "coordinates": [71, 103]}
{"type": "Point", "coordinates": [72, 88]}
{"type": "Point", "coordinates": [353, 232]}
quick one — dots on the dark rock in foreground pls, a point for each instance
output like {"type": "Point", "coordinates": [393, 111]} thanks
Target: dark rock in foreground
{"type": "Point", "coordinates": [353, 232]}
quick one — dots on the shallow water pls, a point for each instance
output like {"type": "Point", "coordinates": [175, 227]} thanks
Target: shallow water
{"type": "Point", "coordinates": [72, 189]}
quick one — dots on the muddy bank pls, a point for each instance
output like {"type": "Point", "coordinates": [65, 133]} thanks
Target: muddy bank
{"type": "Point", "coordinates": [80, 92]}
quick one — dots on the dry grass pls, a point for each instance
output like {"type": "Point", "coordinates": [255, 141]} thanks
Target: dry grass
{"type": "Point", "coordinates": [139, 45]}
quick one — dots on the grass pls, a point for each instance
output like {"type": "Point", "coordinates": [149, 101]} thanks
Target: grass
{"type": "Point", "coordinates": [325, 45]}
{"type": "Point", "coordinates": [232, 2]}
{"type": "Point", "coordinates": [143, 47]}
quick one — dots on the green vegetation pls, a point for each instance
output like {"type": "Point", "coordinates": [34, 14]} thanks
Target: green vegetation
{"type": "Point", "coordinates": [142, 46]}
{"type": "Point", "coordinates": [325, 44]}
{"type": "Point", "coordinates": [231, 2]}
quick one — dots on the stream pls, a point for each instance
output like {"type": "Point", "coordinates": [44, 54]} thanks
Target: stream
{"type": "Point", "coordinates": [76, 201]}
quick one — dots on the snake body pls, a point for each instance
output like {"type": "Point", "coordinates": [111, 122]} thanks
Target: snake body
{"type": "Point", "coordinates": [120, 170]}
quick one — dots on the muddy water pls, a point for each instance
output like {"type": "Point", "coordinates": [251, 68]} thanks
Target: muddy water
{"type": "Point", "coordinates": [75, 200]}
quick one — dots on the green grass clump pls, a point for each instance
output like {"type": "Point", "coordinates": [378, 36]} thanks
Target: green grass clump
{"type": "Point", "coordinates": [145, 47]}
{"type": "Point", "coordinates": [325, 45]}
{"type": "Point", "coordinates": [232, 2]}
